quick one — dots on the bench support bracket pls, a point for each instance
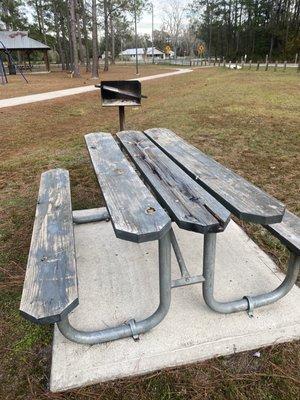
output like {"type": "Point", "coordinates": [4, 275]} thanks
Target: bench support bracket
{"type": "Point", "coordinates": [91, 215]}
{"type": "Point", "coordinates": [247, 303]}
{"type": "Point", "coordinates": [186, 278]}
{"type": "Point", "coordinates": [132, 327]}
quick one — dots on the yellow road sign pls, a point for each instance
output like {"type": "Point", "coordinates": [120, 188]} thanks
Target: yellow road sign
{"type": "Point", "coordinates": [201, 48]}
{"type": "Point", "coordinates": [168, 49]}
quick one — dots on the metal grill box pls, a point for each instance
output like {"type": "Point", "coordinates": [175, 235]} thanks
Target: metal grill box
{"type": "Point", "coordinates": [121, 93]}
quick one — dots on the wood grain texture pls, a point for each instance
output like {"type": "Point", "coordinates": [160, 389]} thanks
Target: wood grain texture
{"type": "Point", "coordinates": [190, 206]}
{"type": "Point", "coordinates": [135, 214]}
{"type": "Point", "coordinates": [242, 198]}
{"type": "Point", "coordinates": [50, 286]}
{"type": "Point", "coordinates": [288, 231]}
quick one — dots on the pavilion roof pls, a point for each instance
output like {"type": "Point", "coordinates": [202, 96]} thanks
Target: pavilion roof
{"type": "Point", "coordinates": [19, 40]}
{"type": "Point", "coordinates": [141, 51]}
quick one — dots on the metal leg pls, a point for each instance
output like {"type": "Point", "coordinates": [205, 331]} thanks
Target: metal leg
{"type": "Point", "coordinates": [132, 328]}
{"type": "Point", "coordinates": [248, 302]}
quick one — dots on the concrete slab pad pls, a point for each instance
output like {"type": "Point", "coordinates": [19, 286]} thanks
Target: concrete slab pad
{"type": "Point", "coordinates": [118, 280]}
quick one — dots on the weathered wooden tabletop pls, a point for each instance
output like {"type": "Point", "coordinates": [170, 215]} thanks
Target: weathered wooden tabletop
{"type": "Point", "coordinates": [197, 192]}
{"type": "Point", "coordinates": [241, 197]}
{"type": "Point", "coordinates": [189, 205]}
{"type": "Point", "coordinates": [135, 213]}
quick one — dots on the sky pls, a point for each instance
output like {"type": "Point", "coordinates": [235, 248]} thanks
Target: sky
{"type": "Point", "coordinates": [145, 22]}
{"type": "Point", "coordinates": [144, 25]}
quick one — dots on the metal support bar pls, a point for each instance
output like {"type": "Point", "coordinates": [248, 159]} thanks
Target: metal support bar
{"type": "Point", "coordinates": [91, 215]}
{"type": "Point", "coordinates": [183, 269]}
{"type": "Point", "coordinates": [248, 303]}
{"type": "Point", "coordinates": [192, 280]}
{"type": "Point", "coordinates": [137, 327]}
{"type": "Point", "coordinates": [186, 278]}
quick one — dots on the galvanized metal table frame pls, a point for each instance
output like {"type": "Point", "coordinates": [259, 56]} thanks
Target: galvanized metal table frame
{"type": "Point", "coordinates": [166, 162]}
{"type": "Point", "coordinates": [135, 328]}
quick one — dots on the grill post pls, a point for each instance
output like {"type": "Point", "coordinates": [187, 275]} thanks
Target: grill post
{"type": "Point", "coordinates": [122, 117]}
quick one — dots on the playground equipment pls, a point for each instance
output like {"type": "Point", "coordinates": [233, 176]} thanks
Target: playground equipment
{"type": "Point", "coordinates": [12, 67]}
{"type": "Point", "coordinates": [2, 73]}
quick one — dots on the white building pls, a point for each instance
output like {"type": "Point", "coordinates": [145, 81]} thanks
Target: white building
{"type": "Point", "coordinates": [143, 54]}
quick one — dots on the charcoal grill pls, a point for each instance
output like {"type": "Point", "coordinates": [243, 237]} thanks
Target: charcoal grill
{"type": "Point", "coordinates": [121, 94]}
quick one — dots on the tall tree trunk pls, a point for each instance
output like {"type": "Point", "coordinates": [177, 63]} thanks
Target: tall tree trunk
{"type": "Point", "coordinates": [64, 40]}
{"type": "Point", "coordinates": [73, 36]}
{"type": "Point", "coordinates": [42, 21]}
{"type": "Point", "coordinates": [236, 27]}
{"type": "Point", "coordinates": [271, 46]}
{"type": "Point", "coordinates": [287, 27]}
{"type": "Point", "coordinates": [254, 28]}
{"type": "Point", "coordinates": [80, 47]}
{"type": "Point", "coordinates": [238, 30]}
{"type": "Point", "coordinates": [106, 63]}
{"type": "Point", "coordinates": [37, 10]}
{"type": "Point", "coordinates": [95, 66]}
{"type": "Point", "coordinates": [70, 44]}
{"type": "Point", "coordinates": [85, 35]}
{"type": "Point", "coordinates": [58, 37]}
{"type": "Point", "coordinates": [208, 11]}
{"type": "Point", "coordinates": [112, 33]}
{"type": "Point", "coordinates": [5, 14]}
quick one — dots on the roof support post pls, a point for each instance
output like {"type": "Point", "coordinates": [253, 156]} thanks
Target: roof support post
{"type": "Point", "coordinates": [11, 66]}
{"type": "Point", "coordinates": [46, 59]}
{"type": "Point", "coordinates": [28, 58]}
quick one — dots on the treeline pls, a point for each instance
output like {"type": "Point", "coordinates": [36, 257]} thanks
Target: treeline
{"type": "Point", "coordinates": [233, 28]}
{"type": "Point", "coordinates": [226, 28]}
{"type": "Point", "coordinates": [72, 27]}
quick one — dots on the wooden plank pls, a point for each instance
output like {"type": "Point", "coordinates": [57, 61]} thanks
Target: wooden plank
{"type": "Point", "coordinates": [135, 213]}
{"type": "Point", "coordinates": [288, 231]}
{"type": "Point", "coordinates": [187, 202]}
{"type": "Point", "coordinates": [50, 286]}
{"type": "Point", "coordinates": [242, 198]}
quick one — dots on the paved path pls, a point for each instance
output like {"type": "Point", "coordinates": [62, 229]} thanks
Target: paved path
{"type": "Point", "coordinates": [33, 98]}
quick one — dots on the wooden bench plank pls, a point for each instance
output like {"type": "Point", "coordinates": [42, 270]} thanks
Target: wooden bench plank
{"type": "Point", "coordinates": [187, 202]}
{"type": "Point", "coordinates": [50, 286]}
{"type": "Point", "coordinates": [135, 213]}
{"type": "Point", "coordinates": [288, 231]}
{"type": "Point", "coordinates": [241, 197]}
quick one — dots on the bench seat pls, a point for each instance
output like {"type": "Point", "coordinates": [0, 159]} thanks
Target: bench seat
{"type": "Point", "coordinates": [50, 286]}
{"type": "Point", "coordinates": [134, 212]}
{"type": "Point", "coordinates": [189, 205]}
{"type": "Point", "coordinates": [288, 231]}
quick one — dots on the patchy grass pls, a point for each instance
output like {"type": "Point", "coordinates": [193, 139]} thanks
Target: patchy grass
{"type": "Point", "coordinates": [40, 83]}
{"type": "Point", "coordinates": [247, 120]}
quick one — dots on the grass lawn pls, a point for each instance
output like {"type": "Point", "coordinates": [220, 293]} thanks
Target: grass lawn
{"type": "Point", "coordinates": [40, 83]}
{"type": "Point", "coordinates": [247, 120]}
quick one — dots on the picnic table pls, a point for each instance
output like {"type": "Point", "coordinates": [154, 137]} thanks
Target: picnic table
{"type": "Point", "coordinates": [25, 67]}
{"type": "Point", "coordinates": [149, 180]}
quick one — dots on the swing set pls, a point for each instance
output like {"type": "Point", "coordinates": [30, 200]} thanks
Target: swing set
{"type": "Point", "coordinates": [12, 65]}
